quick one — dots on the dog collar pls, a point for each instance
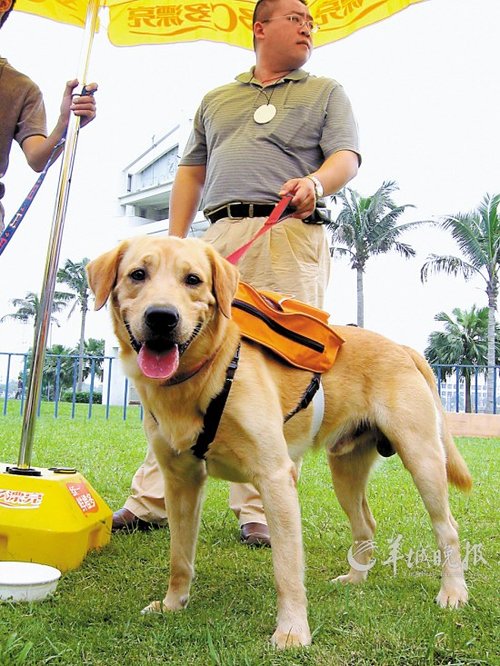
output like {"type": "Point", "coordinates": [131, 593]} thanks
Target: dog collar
{"type": "Point", "coordinates": [183, 377]}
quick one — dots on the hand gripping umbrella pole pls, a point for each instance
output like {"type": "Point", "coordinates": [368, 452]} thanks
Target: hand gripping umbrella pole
{"type": "Point", "coordinates": [67, 517]}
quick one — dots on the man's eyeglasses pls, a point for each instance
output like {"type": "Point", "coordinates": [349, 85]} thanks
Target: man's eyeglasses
{"type": "Point", "coordinates": [297, 20]}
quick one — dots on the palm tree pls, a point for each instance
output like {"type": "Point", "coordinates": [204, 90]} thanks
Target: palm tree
{"type": "Point", "coordinates": [367, 226]}
{"type": "Point", "coordinates": [463, 342]}
{"type": "Point", "coordinates": [478, 236]}
{"type": "Point", "coordinates": [72, 274]}
{"type": "Point", "coordinates": [29, 308]}
{"type": "Point", "coordinates": [94, 356]}
{"type": "Point", "coordinates": [57, 371]}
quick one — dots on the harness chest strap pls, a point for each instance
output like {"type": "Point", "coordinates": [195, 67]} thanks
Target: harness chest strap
{"type": "Point", "coordinates": [214, 412]}
{"type": "Point", "coordinates": [309, 394]}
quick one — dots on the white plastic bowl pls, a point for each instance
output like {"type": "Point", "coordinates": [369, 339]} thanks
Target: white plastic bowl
{"type": "Point", "coordinates": [27, 581]}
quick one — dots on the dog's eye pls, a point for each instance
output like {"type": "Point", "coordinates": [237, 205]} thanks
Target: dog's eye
{"type": "Point", "coordinates": [192, 280]}
{"type": "Point", "coordinates": [138, 275]}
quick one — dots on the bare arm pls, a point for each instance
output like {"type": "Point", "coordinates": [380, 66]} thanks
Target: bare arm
{"type": "Point", "coordinates": [335, 172]}
{"type": "Point", "coordinates": [38, 149]}
{"type": "Point", "coordinates": [185, 199]}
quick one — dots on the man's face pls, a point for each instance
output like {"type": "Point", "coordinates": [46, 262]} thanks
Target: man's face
{"type": "Point", "coordinates": [286, 39]}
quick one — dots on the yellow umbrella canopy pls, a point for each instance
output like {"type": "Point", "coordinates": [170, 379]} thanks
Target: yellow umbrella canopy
{"type": "Point", "coordinates": [134, 22]}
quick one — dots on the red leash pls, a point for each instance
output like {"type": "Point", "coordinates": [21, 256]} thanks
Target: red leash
{"type": "Point", "coordinates": [276, 216]}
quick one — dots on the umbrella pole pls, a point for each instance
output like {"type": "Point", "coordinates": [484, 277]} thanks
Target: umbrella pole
{"type": "Point", "coordinates": [52, 261]}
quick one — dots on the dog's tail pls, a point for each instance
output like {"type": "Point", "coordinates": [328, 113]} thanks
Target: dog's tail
{"type": "Point", "coordinates": [456, 468]}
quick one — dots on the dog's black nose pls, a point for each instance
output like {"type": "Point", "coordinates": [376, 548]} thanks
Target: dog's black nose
{"type": "Point", "coordinates": [161, 319]}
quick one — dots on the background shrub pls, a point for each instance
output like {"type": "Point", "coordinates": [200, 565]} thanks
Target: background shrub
{"type": "Point", "coordinates": [81, 396]}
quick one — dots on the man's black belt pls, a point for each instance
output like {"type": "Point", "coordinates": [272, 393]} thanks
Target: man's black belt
{"type": "Point", "coordinates": [239, 210]}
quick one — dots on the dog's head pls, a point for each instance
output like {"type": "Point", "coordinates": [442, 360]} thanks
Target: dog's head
{"type": "Point", "coordinates": [165, 294]}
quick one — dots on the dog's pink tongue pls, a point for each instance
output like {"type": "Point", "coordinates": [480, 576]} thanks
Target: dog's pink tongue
{"type": "Point", "coordinates": [158, 365]}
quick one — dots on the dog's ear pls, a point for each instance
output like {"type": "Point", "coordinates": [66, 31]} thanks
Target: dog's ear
{"type": "Point", "coordinates": [102, 273]}
{"type": "Point", "coordinates": [225, 279]}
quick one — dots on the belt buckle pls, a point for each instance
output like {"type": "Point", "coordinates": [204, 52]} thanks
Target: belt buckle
{"type": "Point", "coordinates": [228, 207]}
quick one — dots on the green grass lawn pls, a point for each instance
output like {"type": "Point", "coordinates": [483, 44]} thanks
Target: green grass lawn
{"type": "Point", "coordinates": [94, 618]}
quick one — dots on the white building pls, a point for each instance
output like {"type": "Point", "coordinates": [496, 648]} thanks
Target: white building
{"type": "Point", "coordinates": [146, 186]}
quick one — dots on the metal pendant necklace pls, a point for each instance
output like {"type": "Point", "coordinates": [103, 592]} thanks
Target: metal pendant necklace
{"type": "Point", "coordinates": [265, 112]}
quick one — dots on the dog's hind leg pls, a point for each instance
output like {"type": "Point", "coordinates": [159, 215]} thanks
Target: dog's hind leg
{"type": "Point", "coordinates": [424, 458]}
{"type": "Point", "coordinates": [350, 473]}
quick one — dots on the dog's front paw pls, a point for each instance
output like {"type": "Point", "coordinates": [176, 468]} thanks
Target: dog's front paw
{"type": "Point", "coordinates": [166, 606]}
{"type": "Point", "coordinates": [352, 578]}
{"type": "Point", "coordinates": [294, 637]}
{"type": "Point", "coordinates": [452, 594]}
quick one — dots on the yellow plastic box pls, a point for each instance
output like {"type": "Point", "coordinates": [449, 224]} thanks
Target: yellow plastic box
{"type": "Point", "coordinates": [55, 518]}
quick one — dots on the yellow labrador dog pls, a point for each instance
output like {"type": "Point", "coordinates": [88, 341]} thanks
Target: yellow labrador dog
{"type": "Point", "coordinates": [171, 309]}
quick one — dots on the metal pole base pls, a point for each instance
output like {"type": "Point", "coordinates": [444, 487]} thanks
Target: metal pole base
{"type": "Point", "coordinates": [24, 471]}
